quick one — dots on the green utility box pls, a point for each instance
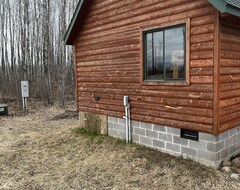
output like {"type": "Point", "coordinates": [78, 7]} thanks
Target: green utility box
{"type": "Point", "coordinates": [3, 109]}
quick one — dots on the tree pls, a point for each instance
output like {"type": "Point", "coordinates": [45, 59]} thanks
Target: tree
{"type": "Point", "coordinates": [32, 48]}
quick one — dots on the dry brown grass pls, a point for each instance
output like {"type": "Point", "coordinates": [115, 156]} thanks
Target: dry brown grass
{"type": "Point", "coordinates": [45, 150]}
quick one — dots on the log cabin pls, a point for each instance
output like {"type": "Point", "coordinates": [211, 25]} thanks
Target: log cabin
{"type": "Point", "coordinates": [161, 73]}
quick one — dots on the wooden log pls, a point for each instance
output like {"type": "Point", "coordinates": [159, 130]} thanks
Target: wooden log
{"type": "Point", "coordinates": [203, 20]}
{"type": "Point", "coordinates": [202, 46]}
{"type": "Point", "coordinates": [230, 71]}
{"type": "Point", "coordinates": [201, 38]}
{"type": "Point", "coordinates": [201, 63]}
{"type": "Point", "coordinates": [202, 29]}
{"type": "Point", "coordinates": [229, 79]}
{"type": "Point", "coordinates": [201, 79]}
{"type": "Point", "coordinates": [230, 63]}
{"type": "Point", "coordinates": [226, 87]}
{"type": "Point", "coordinates": [140, 94]}
{"type": "Point", "coordinates": [201, 71]}
{"type": "Point", "coordinates": [229, 94]}
{"type": "Point", "coordinates": [229, 102]}
{"type": "Point", "coordinates": [229, 110]}
{"type": "Point", "coordinates": [201, 55]}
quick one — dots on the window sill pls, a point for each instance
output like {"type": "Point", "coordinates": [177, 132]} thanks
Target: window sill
{"type": "Point", "coordinates": [165, 83]}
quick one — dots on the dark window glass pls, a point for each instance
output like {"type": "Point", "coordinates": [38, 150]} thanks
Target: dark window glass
{"type": "Point", "coordinates": [164, 52]}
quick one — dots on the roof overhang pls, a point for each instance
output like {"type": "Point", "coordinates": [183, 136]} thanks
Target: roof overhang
{"type": "Point", "coordinates": [75, 23]}
{"type": "Point", "coordinates": [225, 7]}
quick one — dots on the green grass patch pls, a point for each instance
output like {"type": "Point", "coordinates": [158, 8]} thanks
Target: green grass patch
{"type": "Point", "coordinates": [92, 135]}
{"type": "Point", "coordinates": [81, 131]}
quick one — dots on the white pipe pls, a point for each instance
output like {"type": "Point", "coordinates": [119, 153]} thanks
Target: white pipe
{"type": "Point", "coordinates": [129, 124]}
{"type": "Point", "coordinates": [126, 123]}
{"type": "Point", "coordinates": [127, 119]}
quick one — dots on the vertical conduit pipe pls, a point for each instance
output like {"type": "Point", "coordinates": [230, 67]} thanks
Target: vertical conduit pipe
{"type": "Point", "coordinates": [129, 124]}
{"type": "Point", "coordinates": [127, 118]}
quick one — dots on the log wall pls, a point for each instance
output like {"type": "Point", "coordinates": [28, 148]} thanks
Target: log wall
{"type": "Point", "coordinates": [229, 73]}
{"type": "Point", "coordinates": [107, 56]}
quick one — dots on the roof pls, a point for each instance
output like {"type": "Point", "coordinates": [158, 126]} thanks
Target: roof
{"type": "Point", "coordinates": [224, 6]}
{"type": "Point", "coordinates": [68, 38]}
{"type": "Point", "coordinates": [227, 6]}
{"type": "Point", "coordinates": [235, 3]}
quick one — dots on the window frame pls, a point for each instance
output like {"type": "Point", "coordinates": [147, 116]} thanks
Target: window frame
{"type": "Point", "coordinates": [163, 27]}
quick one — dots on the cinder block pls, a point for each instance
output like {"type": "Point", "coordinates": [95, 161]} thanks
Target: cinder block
{"type": "Point", "coordinates": [224, 153]}
{"type": "Point", "coordinates": [159, 128]}
{"type": "Point", "coordinates": [207, 137]}
{"type": "Point", "coordinates": [232, 131]}
{"type": "Point", "coordinates": [236, 138]}
{"type": "Point", "coordinates": [215, 147]}
{"type": "Point", "coordinates": [110, 125]}
{"type": "Point", "coordinates": [135, 123]}
{"type": "Point", "coordinates": [152, 134]}
{"type": "Point", "coordinates": [181, 141]}
{"type": "Point", "coordinates": [189, 151]}
{"type": "Point", "coordinates": [146, 140]}
{"type": "Point", "coordinates": [121, 121]}
{"type": "Point", "coordinates": [113, 133]}
{"type": "Point", "coordinates": [232, 149]}
{"type": "Point", "coordinates": [122, 127]}
{"type": "Point", "coordinates": [135, 138]}
{"type": "Point", "coordinates": [122, 134]}
{"type": "Point", "coordinates": [119, 127]}
{"type": "Point", "coordinates": [138, 131]}
{"type": "Point", "coordinates": [224, 135]}
{"type": "Point", "coordinates": [112, 119]}
{"type": "Point", "coordinates": [165, 137]}
{"type": "Point", "coordinates": [198, 144]}
{"type": "Point", "coordinates": [147, 126]}
{"type": "Point", "coordinates": [206, 155]}
{"type": "Point", "coordinates": [228, 142]}
{"type": "Point", "coordinates": [218, 156]}
{"type": "Point", "coordinates": [173, 147]}
{"type": "Point", "coordinates": [173, 131]}
{"type": "Point", "coordinates": [218, 138]}
{"type": "Point", "coordinates": [158, 144]}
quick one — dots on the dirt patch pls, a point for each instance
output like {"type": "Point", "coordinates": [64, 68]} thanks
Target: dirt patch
{"type": "Point", "coordinates": [68, 114]}
{"type": "Point", "coordinates": [47, 150]}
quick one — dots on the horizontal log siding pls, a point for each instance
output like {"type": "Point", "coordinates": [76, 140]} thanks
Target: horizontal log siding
{"type": "Point", "coordinates": [108, 63]}
{"type": "Point", "coordinates": [230, 73]}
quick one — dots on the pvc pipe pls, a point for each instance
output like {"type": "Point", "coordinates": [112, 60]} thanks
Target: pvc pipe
{"type": "Point", "coordinates": [126, 123]}
{"type": "Point", "coordinates": [129, 125]}
{"type": "Point", "coordinates": [127, 119]}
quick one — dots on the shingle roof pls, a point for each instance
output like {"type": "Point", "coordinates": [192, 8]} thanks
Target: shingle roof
{"type": "Point", "coordinates": [235, 3]}
{"type": "Point", "coordinates": [227, 6]}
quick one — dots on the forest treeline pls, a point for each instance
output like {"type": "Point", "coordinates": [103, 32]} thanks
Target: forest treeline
{"type": "Point", "coordinates": [32, 48]}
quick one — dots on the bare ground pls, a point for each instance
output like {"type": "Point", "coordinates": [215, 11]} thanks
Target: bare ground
{"type": "Point", "coordinates": [46, 150]}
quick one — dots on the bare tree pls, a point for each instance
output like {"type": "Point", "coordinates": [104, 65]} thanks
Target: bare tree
{"type": "Point", "coordinates": [32, 48]}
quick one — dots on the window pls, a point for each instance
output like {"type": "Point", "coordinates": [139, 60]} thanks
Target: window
{"type": "Point", "coordinates": [164, 56]}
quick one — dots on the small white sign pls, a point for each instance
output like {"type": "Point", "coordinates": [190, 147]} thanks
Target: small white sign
{"type": "Point", "coordinates": [25, 89]}
{"type": "Point", "coordinates": [1, 109]}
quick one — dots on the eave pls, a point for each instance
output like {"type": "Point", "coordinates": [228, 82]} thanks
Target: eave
{"type": "Point", "coordinates": [69, 36]}
{"type": "Point", "coordinates": [224, 7]}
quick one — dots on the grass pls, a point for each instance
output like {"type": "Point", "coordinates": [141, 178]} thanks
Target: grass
{"type": "Point", "coordinates": [81, 131]}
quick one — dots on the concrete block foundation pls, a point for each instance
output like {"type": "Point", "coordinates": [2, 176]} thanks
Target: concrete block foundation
{"type": "Point", "coordinates": [210, 150]}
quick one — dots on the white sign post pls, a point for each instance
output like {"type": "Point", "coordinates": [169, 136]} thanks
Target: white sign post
{"type": "Point", "coordinates": [25, 94]}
